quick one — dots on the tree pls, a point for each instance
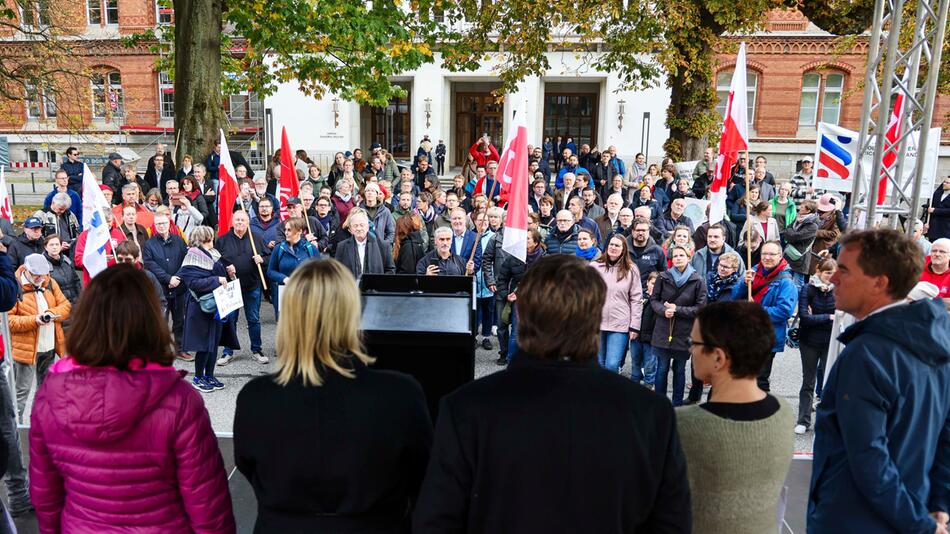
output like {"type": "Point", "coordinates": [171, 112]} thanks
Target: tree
{"type": "Point", "coordinates": [346, 47]}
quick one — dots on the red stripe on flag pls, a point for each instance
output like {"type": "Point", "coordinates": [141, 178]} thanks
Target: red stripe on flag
{"type": "Point", "coordinates": [289, 186]}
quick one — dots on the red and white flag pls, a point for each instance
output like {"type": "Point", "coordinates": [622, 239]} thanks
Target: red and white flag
{"type": "Point", "coordinates": [513, 174]}
{"type": "Point", "coordinates": [289, 186]}
{"type": "Point", "coordinates": [891, 135]}
{"type": "Point", "coordinates": [6, 212]}
{"type": "Point", "coordinates": [227, 188]}
{"type": "Point", "coordinates": [735, 139]}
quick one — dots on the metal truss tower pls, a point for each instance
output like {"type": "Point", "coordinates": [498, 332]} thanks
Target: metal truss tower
{"type": "Point", "coordinates": [888, 60]}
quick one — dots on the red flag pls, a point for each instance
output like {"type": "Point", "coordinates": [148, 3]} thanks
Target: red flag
{"type": "Point", "coordinates": [512, 174]}
{"type": "Point", "coordinates": [890, 140]}
{"type": "Point", "coordinates": [6, 212]}
{"type": "Point", "coordinates": [289, 186]}
{"type": "Point", "coordinates": [227, 188]}
{"type": "Point", "coordinates": [735, 138]}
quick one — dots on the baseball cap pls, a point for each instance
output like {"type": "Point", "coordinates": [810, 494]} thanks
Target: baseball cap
{"type": "Point", "coordinates": [115, 155]}
{"type": "Point", "coordinates": [36, 264]}
{"type": "Point", "coordinates": [293, 200]}
{"type": "Point", "coordinates": [374, 146]}
{"type": "Point", "coordinates": [807, 158]}
{"type": "Point", "coordinates": [32, 222]}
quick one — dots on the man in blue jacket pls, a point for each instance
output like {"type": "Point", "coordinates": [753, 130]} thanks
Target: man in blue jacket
{"type": "Point", "coordinates": [74, 169]}
{"type": "Point", "coordinates": [882, 435]}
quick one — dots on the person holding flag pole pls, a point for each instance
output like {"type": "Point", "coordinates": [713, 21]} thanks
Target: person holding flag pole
{"type": "Point", "coordinates": [289, 186]}
{"type": "Point", "coordinates": [94, 248]}
{"type": "Point", "coordinates": [227, 196]}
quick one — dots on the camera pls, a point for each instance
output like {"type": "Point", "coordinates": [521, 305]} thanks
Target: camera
{"type": "Point", "coordinates": [46, 317]}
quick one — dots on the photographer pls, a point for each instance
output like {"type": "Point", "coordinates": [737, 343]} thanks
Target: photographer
{"type": "Point", "coordinates": [185, 214]}
{"type": "Point", "coordinates": [60, 221]}
{"type": "Point", "coordinates": [36, 325]}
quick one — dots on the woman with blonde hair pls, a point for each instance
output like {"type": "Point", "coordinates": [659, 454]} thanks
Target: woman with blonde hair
{"type": "Point", "coordinates": [361, 436]}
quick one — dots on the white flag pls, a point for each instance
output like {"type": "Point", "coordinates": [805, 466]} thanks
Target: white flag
{"type": "Point", "coordinates": [94, 206]}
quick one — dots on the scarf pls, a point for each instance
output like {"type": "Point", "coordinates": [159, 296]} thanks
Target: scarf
{"type": "Point", "coordinates": [817, 282]}
{"type": "Point", "coordinates": [534, 256]}
{"type": "Point", "coordinates": [344, 198]}
{"type": "Point", "coordinates": [680, 278]}
{"type": "Point", "coordinates": [371, 211]}
{"type": "Point", "coordinates": [192, 195]}
{"type": "Point", "coordinates": [763, 278]}
{"type": "Point", "coordinates": [325, 221]}
{"type": "Point", "coordinates": [587, 254]}
{"type": "Point", "coordinates": [428, 215]}
{"type": "Point", "coordinates": [716, 285]}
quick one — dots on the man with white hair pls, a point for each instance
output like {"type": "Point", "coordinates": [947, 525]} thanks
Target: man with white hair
{"type": "Point", "coordinates": [442, 260]}
{"type": "Point", "coordinates": [59, 220]}
{"type": "Point", "coordinates": [937, 267]}
{"type": "Point", "coordinates": [919, 237]}
{"type": "Point", "coordinates": [609, 221]}
{"type": "Point", "coordinates": [363, 252]}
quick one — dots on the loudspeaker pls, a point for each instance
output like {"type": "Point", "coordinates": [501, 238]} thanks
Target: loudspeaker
{"type": "Point", "coordinates": [423, 326]}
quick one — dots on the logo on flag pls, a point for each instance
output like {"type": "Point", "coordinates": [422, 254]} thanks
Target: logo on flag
{"type": "Point", "coordinates": [836, 152]}
{"type": "Point", "coordinates": [94, 220]}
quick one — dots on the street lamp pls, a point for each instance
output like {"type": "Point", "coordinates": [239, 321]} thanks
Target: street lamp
{"type": "Point", "coordinates": [336, 112]}
{"type": "Point", "coordinates": [620, 110]}
{"type": "Point", "coordinates": [428, 109]}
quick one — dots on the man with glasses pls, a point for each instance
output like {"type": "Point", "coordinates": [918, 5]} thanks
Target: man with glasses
{"type": "Point", "coordinates": [62, 186]}
{"type": "Point", "coordinates": [937, 268]}
{"type": "Point", "coordinates": [774, 290]}
{"type": "Point", "coordinates": [563, 237]}
{"type": "Point", "coordinates": [128, 252]}
{"type": "Point", "coordinates": [74, 169]}
{"type": "Point", "coordinates": [644, 251]}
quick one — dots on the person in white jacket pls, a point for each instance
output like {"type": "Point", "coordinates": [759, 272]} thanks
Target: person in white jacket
{"type": "Point", "coordinates": [762, 223]}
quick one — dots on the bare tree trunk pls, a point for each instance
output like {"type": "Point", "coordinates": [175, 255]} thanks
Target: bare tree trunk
{"type": "Point", "coordinates": [198, 101]}
{"type": "Point", "coordinates": [689, 115]}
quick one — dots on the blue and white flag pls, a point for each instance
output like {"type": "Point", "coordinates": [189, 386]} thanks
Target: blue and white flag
{"type": "Point", "coordinates": [94, 206]}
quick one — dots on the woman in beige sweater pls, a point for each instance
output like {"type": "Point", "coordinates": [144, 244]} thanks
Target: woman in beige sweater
{"type": "Point", "coordinates": [737, 446]}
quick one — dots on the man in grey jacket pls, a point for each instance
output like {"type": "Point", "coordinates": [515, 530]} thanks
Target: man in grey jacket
{"type": "Point", "coordinates": [705, 259]}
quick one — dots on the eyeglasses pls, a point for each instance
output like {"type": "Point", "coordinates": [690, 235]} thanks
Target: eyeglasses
{"type": "Point", "coordinates": [690, 343]}
{"type": "Point", "coordinates": [771, 254]}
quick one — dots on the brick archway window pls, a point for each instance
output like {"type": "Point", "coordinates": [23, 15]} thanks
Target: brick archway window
{"type": "Point", "coordinates": [107, 100]}
{"type": "Point", "coordinates": [821, 98]}
{"type": "Point", "coordinates": [723, 82]}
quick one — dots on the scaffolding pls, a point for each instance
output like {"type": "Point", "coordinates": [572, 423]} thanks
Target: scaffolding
{"type": "Point", "coordinates": [888, 60]}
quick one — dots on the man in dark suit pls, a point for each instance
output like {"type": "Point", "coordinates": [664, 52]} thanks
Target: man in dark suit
{"type": "Point", "coordinates": [167, 158]}
{"type": "Point", "coordinates": [363, 252]}
{"type": "Point", "coordinates": [463, 240]}
{"type": "Point", "coordinates": [555, 443]}
{"type": "Point", "coordinates": [159, 171]}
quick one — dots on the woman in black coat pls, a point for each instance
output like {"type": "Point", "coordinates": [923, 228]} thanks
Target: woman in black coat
{"type": "Point", "coordinates": [408, 249]}
{"type": "Point", "coordinates": [677, 295]}
{"type": "Point", "coordinates": [328, 443]}
{"type": "Point", "coordinates": [201, 273]}
{"type": "Point", "coordinates": [816, 314]}
{"type": "Point", "coordinates": [62, 268]}
{"type": "Point", "coordinates": [939, 210]}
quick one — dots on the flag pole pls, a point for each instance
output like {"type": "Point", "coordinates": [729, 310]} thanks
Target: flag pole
{"type": "Point", "coordinates": [749, 229]}
{"type": "Point", "coordinates": [250, 235]}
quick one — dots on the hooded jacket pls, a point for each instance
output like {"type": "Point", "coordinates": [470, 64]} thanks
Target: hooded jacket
{"type": "Point", "coordinates": [780, 302]}
{"type": "Point", "coordinates": [64, 272]}
{"type": "Point", "coordinates": [882, 434]}
{"type": "Point", "coordinates": [135, 450]}
{"type": "Point", "coordinates": [650, 258]}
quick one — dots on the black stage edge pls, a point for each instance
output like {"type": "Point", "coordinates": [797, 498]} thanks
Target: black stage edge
{"type": "Point", "coordinates": [423, 326]}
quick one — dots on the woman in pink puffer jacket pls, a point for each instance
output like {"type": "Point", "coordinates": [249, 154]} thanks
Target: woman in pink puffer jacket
{"type": "Point", "coordinates": [119, 442]}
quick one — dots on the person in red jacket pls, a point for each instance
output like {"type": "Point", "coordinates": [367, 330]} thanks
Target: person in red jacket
{"type": "Point", "coordinates": [483, 151]}
{"type": "Point", "coordinates": [80, 247]}
{"type": "Point", "coordinates": [937, 267]}
{"type": "Point", "coordinates": [115, 424]}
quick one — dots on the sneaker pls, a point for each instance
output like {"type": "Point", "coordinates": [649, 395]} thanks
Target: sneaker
{"type": "Point", "coordinates": [502, 360]}
{"type": "Point", "coordinates": [201, 385]}
{"type": "Point", "coordinates": [486, 343]}
{"type": "Point", "coordinates": [801, 429]}
{"type": "Point", "coordinates": [184, 356]}
{"type": "Point", "coordinates": [261, 359]}
{"type": "Point", "coordinates": [494, 330]}
{"type": "Point", "coordinates": [214, 382]}
{"type": "Point", "coordinates": [225, 359]}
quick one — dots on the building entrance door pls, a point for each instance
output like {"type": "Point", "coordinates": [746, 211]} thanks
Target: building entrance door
{"type": "Point", "coordinates": [475, 115]}
{"type": "Point", "coordinates": [390, 126]}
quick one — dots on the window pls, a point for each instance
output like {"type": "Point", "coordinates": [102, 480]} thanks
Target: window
{"type": "Point", "coordinates": [571, 115]}
{"type": "Point", "coordinates": [34, 14]}
{"type": "Point", "coordinates": [164, 11]}
{"type": "Point", "coordinates": [724, 81]}
{"type": "Point", "coordinates": [166, 95]}
{"type": "Point", "coordinates": [40, 103]}
{"type": "Point", "coordinates": [102, 12]}
{"type": "Point", "coordinates": [245, 106]}
{"type": "Point", "coordinates": [107, 101]}
{"type": "Point", "coordinates": [820, 92]}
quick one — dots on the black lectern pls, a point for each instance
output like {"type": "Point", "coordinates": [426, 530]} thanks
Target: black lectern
{"type": "Point", "coordinates": [423, 326]}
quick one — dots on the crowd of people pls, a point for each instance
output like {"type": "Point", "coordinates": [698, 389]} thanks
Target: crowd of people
{"type": "Point", "coordinates": [725, 296]}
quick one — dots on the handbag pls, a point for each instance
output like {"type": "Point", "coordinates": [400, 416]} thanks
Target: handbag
{"type": "Point", "coordinates": [794, 254]}
{"type": "Point", "coordinates": [206, 302]}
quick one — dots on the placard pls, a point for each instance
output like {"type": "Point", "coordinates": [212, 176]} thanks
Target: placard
{"type": "Point", "coordinates": [228, 298]}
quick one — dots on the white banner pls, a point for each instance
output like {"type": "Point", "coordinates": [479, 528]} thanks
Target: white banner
{"type": "Point", "coordinates": [910, 163]}
{"type": "Point", "coordinates": [696, 210]}
{"type": "Point", "coordinates": [684, 169]}
{"type": "Point", "coordinates": [229, 298]}
{"type": "Point", "coordinates": [836, 152]}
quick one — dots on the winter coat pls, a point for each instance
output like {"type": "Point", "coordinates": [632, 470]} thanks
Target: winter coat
{"type": "Point", "coordinates": [496, 468]}
{"type": "Point", "coordinates": [827, 235]}
{"type": "Point", "coordinates": [666, 224]}
{"type": "Point", "coordinates": [791, 212]}
{"type": "Point", "coordinates": [647, 320]}
{"type": "Point", "coordinates": [700, 258]}
{"type": "Point", "coordinates": [493, 257]}
{"type": "Point", "coordinates": [815, 325]}
{"type": "Point", "coordinates": [22, 247]}
{"type": "Point", "coordinates": [648, 259]}
{"type": "Point", "coordinates": [882, 457]}
{"type": "Point", "coordinates": [74, 170]}
{"type": "Point", "coordinates": [773, 233]}
{"type": "Point", "coordinates": [481, 286]}
{"type": "Point", "coordinates": [64, 273]}
{"type": "Point", "coordinates": [780, 302]}
{"type": "Point", "coordinates": [940, 218]}
{"type": "Point", "coordinates": [323, 240]}
{"type": "Point", "coordinates": [203, 332]}
{"type": "Point", "coordinates": [384, 224]}
{"type": "Point", "coordinates": [79, 249]}
{"type": "Point", "coordinates": [111, 176]}
{"type": "Point", "coordinates": [24, 331]}
{"type": "Point", "coordinates": [286, 258]}
{"type": "Point", "coordinates": [411, 250]}
{"type": "Point", "coordinates": [377, 258]}
{"type": "Point", "coordinates": [623, 306]}
{"type": "Point", "coordinates": [187, 219]}
{"type": "Point", "coordinates": [237, 251]}
{"type": "Point", "coordinates": [673, 333]}
{"type": "Point", "coordinates": [268, 231]}
{"type": "Point", "coordinates": [343, 207]}
{"type": "Point", "coordinates": [801, 235]}
{"type": "Point", "coordinates": [121, 233]}
{"type": "Point", "coordinates": [163, 258]}
{"type": "Point", "coordinates": [561, 243]}
{"type": "Point", "coordinates": [116, 451]}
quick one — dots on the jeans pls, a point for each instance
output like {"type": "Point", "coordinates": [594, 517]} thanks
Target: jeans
{"type": "Point", "coordinates": [642, 357]}
{"type": "Point", "coordinates": [440, 166]}
{"type": "Point", "coordinates": [485, 314]}
{"type": "Point", "coordinates": [813, 357]}
{"type": "Point", "coordinates": [23, 374]}
{"type": "Point", "coordinates": [252, 314]}
{"type": "Point", "coordinates": [18, 489]}
{"type": "Point", "coordinates": [613, 346]}
{"type": "Point", "coordinates": [765, 373]}
{"type": "Point", "coordinates": [665, 358]}
{"type": "Point", "coordinates": [502, 328]}
{"type": "Point", "coordinates": [513, 338]}
{"type": "Point", "coordinates": [204, 363]}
